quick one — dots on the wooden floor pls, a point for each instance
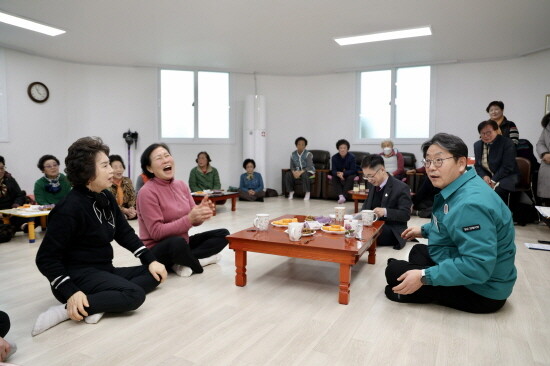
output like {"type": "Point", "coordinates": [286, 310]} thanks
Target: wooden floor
{"type": "Point", "coordinates": [288, 314]}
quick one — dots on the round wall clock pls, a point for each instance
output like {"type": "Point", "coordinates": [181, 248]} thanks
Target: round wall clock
{"type": "Point", "coordinates": [38, 92]}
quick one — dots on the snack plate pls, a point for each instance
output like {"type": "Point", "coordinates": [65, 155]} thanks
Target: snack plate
{"type": "Point", "coordinates": [310, 234]}
{"type": "Point", "coordinates": [333, 232]}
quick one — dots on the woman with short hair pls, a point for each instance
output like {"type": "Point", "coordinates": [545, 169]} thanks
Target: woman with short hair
{"type": "Point", "coordinates": [122, 188]}
{"type": "Point", "coordinates": [506, 128]}
{"type": "Point", "coordinates": [251, 186]}
{"type": "Point", "coordinates": [166, 213]}
{"type": "Point", "coordinates": [344, 170]}
{"type": "Point", "coordinates": [76, 255]}
{"type": "Point", "coordinates": [53, 186]}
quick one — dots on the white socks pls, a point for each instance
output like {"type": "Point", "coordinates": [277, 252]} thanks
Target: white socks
{"type": "Point", "coordinates": [13, 348]}
{"type": "Point", "coordinates": [306, 197]}
{"type": "Point", "coordinates": [182, 271]}
{"type": "Point", "coordinates": [93, 319]}
{"type": "Point", "coordinates": [210, 260]}
{"type": "Point", "coordinates": [291, 195]}
{"type": "Point", "coordinates": [50, 318]}
{"type": "Point", "coordinates": [341, 199]}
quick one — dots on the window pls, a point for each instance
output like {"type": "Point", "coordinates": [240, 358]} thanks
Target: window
{"type": "Point", "coordinates": [194, 105]}
{"type": "Point", "coordinates": [395, 103]}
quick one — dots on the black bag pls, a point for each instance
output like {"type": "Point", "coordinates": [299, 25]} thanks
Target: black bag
{"type": "Point", "coordinates": [270, 192]}
{"type": "Point", "coordinates": [6, 232]}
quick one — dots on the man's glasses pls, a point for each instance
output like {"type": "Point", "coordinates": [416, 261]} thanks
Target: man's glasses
{"type": "Point", "coordinates": [371, 177]}
{"type": "Point", "coordinates": [436, 162]}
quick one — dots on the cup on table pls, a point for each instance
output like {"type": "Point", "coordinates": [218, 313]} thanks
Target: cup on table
{"type": "Point", "coordinates": [368, 217]}
{"type": "Point", "coordinates": [261, 222]}
{"type": "Point", "coordinates": [295, 230]}
{"type": "Point", "coordinates": [339, 213]}
{"type": "Point", "coordinates": [354, 225]}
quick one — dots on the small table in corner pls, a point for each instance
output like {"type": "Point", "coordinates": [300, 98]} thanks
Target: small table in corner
{"type": "Point", "coordinates": [358, 196]}
{"type": "Point", "coordinates": [29, 214]}
{"type": "Point", "coordinates": [218, 197]}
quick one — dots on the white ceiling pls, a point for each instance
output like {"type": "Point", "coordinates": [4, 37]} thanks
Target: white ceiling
{"type": "Point", "coordinates": [289, 37]}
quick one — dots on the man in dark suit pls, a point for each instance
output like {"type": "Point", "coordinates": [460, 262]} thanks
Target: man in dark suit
{"type": "Point", "coordinates": [390, 199]}
{"type": "Point", "coordinates": [496, 159]}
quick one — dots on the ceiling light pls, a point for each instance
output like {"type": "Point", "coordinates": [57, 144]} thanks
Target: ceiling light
{"type": "Point", "coordinates": [385, 36]}
{"type": "Point", "coordinates": [30, 25]}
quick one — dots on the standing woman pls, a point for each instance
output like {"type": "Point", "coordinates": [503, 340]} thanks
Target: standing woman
{"type": "Point", "coordinates": [505, 127]}
{"type": "Point", "coordinates": [344, 170]}
{"type": "Point", "coordinates": [204, 176]}
{"type": "Point", "coordinates": [166, 213]}
{"type": "Point", "coordinates": [122, 188]}
{"type": "Point", "coordinates": [543, 151]}
{"type": "Point", "coordinates": [76, 254]}
{"type": "Point", "coordinates": [251, 187]}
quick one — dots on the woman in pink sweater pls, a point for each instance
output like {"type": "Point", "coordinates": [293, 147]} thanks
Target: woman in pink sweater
{"type": "Point", "coordinates": [166, 212]}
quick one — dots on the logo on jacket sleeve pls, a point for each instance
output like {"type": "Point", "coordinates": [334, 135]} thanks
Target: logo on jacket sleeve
{"type": "Point", "coordinates": [471, 228]}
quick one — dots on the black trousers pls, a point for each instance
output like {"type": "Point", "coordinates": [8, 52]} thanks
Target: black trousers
{"type": "Point", "coordinates": [456, 297]}
{"type": "Point", "coordinates": [114, 290]}
{"type": "Point", "coordinates": [387, 238]}
{"type": "Point", "coordinates": [341, 187]}
{"type": "Point", "coordinates": [4, 324]}
{"type": "Point", "coordinates": [175, 250]}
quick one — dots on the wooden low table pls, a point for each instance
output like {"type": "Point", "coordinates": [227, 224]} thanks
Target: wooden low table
{"type": "Point", "coordinates": [29, 215]}
{"type": "Point", "coordinates": [321, 246]}
{"type": "Point", "coordinates": [358, 196]}
{"type": "Point", "coordinates": [219, 197]}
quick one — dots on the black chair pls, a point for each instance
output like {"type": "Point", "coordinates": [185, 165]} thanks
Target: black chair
{"type": "Point", "coordinates": [321, 162]}
{"type": "Point", "coordinates": [328, 190]}
{"type": "Point", "coordinates": [409, 160]}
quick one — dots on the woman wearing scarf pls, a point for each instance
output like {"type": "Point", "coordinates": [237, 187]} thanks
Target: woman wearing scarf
{"type": "Point", "coordinates": [122, 188]}
{"type": "Point", "coordinates": [53, 186]}
{"type": "Point", "coordinates": [393, 161]}
{"type": "Point", "coordinates": [251, 187]}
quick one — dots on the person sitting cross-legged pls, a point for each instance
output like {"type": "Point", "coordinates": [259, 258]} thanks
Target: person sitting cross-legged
{"type": "Point", "coordinates": [468, 263]}
{"type": "Point", "coordinates": [389, 198]}
{"type": "Point", "coordinates": [76, 255]}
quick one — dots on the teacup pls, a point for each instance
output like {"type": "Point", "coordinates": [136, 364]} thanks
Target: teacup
{"type": "Point", "coordinates": [295, 230]}
{"type": "Point", "coordinates": [261, 222]}
{"type": "Point", "coordinates": [339, 213]}
{"type": "Point", "coordinates": [368, 217]}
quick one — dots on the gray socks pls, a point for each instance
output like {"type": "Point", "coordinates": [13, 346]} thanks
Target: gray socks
{"type": "Point", "coordinates": [50, 318]}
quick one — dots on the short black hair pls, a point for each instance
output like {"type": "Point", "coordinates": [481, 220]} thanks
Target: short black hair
{"type": "Point", "coordinates": [342, 142]}
{"type": "Point", "coordinates": [498, 103]}
{"type": "Point", "coordinates": [246, 161]}
{"type": "Point", "coordinates": [205, 154]}
{"type": "Point", "coordinates": [145, 159]}
{"type": "Point", "coordinates": [80, 164]}
{"type": "Point", "coordinates": [300, 139]}
{"type": "Point", "coordinates": [451, 143]}
{"type": "Point", "coordinates": [545, 120]}
{"type": "Point", "coordinates": [44, 159]}
{"type": "Point", "coordinates": [484, 124]}
{"type": "Point", "coordinates": [113, 158]}
{"type": "Point", "coordinates": [372, 161]}
{"type": "Point", "coordinates": [2, 160]}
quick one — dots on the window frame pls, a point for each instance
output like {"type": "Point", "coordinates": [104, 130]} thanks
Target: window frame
{"type": "Point", "coordinates": [197, 140]}
{"type": "Point", "coordinates": [395, 140]}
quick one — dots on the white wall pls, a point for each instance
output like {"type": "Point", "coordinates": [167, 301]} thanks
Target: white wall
{"type": "Point", "coordinates": [106, 101]}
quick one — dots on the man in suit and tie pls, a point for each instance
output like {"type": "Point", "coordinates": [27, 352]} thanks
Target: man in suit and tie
{"type": "Point", "coordinates": [389, 198]}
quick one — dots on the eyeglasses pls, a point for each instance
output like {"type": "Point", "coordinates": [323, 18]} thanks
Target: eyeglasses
{"type": "Point", "coordinates": [437, 162]}
{"type": "Point", "coordinates": [50, 166]}
{"type": "Point", "coordinates": [371, 177]}
{"type": "Point", "coordinates": [487, 133]}
{"type": "Point", "coordinates": [2, 168]}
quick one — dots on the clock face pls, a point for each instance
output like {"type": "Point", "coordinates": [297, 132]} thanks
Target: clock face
{"type": "Point", "coordinates": [38, 92]}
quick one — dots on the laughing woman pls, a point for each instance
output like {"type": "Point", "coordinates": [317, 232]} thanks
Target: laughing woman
{"type": "Point", "coordinates": [166, 213]}
{"type": "Point", "coordinates": [76, 254]}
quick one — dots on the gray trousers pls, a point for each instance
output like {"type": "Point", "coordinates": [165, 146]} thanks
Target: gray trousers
{"type": "Point", "coordinates": [290, 181]}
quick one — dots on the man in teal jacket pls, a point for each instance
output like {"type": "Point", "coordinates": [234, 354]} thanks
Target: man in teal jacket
{"type": "Point", "coordinates": [468, 263]}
